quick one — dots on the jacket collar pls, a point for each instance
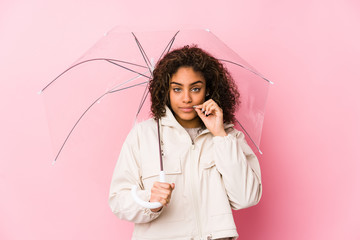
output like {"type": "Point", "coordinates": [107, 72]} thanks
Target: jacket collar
{"type": "Point", "coordinates": [170, 120]}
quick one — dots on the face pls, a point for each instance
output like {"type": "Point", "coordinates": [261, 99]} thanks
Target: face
{"type": "Point", "coordinates": [187, 89]}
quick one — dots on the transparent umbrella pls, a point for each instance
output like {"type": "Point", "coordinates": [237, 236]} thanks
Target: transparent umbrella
{"type": "Point", "coordinates": [118, 68]}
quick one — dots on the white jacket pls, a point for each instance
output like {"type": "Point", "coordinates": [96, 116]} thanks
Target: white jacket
{"type": "Point", "coordinates": [211, 176]}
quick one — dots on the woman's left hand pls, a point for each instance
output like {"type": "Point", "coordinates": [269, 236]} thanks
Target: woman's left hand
{"type": "Point", "coordinates": [212, 116]}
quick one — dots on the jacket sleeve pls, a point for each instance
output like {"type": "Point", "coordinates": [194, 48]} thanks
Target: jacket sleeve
{"type": "Point", "coordinates": [239, 168]}
{"type": "Point", "coordinates": [126, 174]}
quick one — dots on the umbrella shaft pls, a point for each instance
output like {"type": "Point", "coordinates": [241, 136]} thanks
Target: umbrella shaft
{"type": "Point", "coordinates": [160, 150]}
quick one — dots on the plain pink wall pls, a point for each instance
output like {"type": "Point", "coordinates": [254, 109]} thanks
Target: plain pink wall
{"type": "Point", "coordinates": [310, 49]}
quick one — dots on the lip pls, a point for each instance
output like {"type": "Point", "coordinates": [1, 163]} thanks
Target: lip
{"type": "Point", "coordinates": [187, 109]}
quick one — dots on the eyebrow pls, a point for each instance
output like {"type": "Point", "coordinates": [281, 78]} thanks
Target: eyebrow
{"type": "Point", "coordinates": [190, 84]}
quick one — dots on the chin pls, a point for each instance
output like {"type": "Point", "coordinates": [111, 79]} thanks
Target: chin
{"type": "Point", "coordinates": [187, 117]}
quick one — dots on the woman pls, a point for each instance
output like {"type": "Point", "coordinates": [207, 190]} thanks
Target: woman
{"type": "Point", "coordinates": [209, 167]}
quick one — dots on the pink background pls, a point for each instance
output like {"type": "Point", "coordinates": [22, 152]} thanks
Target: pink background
{"type": "Point", "coordinates": [310, 165]}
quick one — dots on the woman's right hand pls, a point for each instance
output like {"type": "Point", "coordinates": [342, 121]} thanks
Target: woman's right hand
{"type": "Point", "coordinates": [161, 192]}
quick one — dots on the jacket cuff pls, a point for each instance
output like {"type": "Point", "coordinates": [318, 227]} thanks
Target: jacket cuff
{"type": "Point", "coordinates": [225, 139]}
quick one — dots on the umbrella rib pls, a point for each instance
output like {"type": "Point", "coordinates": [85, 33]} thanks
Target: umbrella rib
{"type": "Point", "coordinates": [83, 114]}
{"type": "Point", "coordinates": [85, 61]}
{"type": "Point", "coordinates": [169, 45]}
{"type": "Point", "coordinates": [240, 65]}
{"type": "Point", "coordinates": [110, 61]}
{"type": "Point", "coordinates": [146, 59]}
{"type": "Point", "coordinates": [249, 136]}
{"type": "Point", "coordinates": [135, 85]}
{"type": "Point", "coordinates": [142, 100]}
{"type": "Point", "coordinates": [131, 79]}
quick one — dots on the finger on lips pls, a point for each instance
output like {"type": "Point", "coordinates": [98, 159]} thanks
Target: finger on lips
{"type": "Point", "coordinates": [207, 108]}
{"type": "Point", "coordinates": [201, 109]}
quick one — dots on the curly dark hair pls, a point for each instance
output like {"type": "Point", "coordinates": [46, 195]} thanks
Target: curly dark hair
{"type": "Point", "coordinates": [219, 83]}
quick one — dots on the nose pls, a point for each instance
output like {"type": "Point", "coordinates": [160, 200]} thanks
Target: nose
{"type": "Point", "coordinates": [187, 97]}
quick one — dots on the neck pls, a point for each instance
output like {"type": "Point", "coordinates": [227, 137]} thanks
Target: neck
{"type": "Point", "coordinates": [194, 123]}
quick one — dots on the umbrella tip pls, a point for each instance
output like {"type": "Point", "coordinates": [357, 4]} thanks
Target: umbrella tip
{"type": "Point", "coordinates": [53, 163]}
{"type": "Point", "coordinates": [39, 92]}
{"type": "Point", "coordinates": [206, 29]}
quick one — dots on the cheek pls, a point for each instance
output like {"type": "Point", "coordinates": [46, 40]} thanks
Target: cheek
{"type": "Point", "coordinates": [172, 98]}
{"type": "Point", "coordinates": [201, 97]}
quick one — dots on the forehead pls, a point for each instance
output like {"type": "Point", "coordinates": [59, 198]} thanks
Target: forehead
{"type": "Point", "coordinates": [186, 75]}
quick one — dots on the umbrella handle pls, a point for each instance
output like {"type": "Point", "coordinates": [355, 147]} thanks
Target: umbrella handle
{"type": "Point", "coordinates": [150, 205]}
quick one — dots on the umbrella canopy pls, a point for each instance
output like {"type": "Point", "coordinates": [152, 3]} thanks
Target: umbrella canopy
{"type": "Point", "coordinates": [120, 65]}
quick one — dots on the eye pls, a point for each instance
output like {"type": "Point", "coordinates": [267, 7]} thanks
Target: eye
{"type": "Point", "coordinates": [195, 89]}
{"type": "Point", "coordinates": [176, 89]}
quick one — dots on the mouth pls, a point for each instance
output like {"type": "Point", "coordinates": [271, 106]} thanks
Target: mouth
{"type": "Point", "coordinates": [187, 109]}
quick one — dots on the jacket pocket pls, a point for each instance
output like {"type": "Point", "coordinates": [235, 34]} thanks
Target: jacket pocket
{"type": "Point", "coordinates": [150, 172]}
{"type": "Point", "coordinates": [206, 168]}
{"type": "Point", "coordinates": [207, 165]}
{"type": "Point", "coordinates": [212, 180]}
